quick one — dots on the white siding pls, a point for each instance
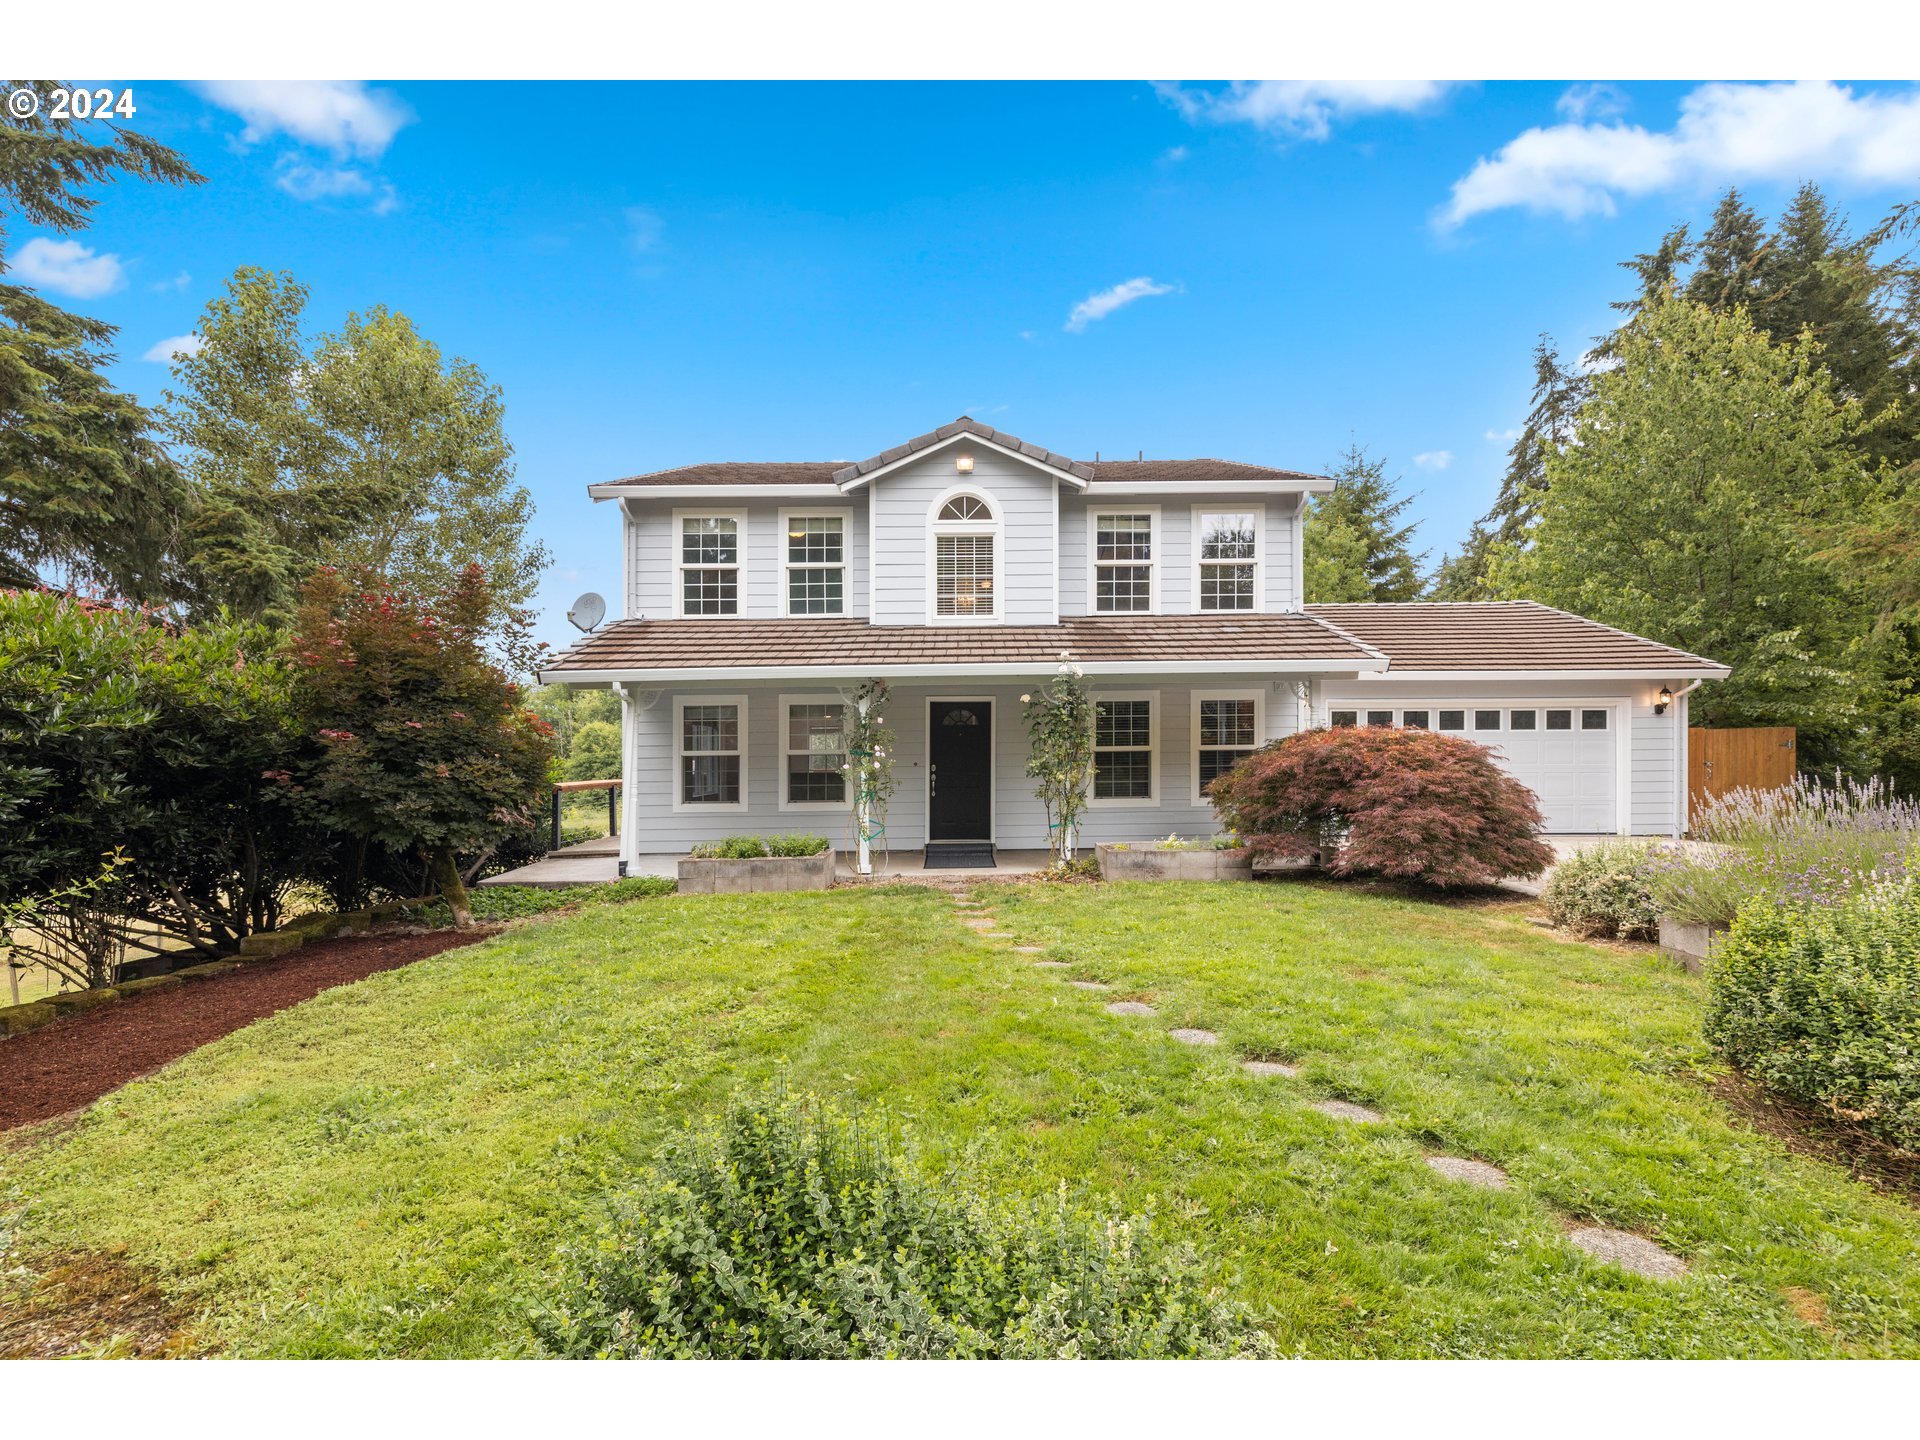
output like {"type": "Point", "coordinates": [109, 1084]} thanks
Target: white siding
{"type": "Point", "coordinates": [1018, 820]}
{"type": "Point", "coordinates": [652, 552]}
{"type": "Point", "coordinates": [1020, 495]}
{"type": "Point", "coordinates": [1174, 573]}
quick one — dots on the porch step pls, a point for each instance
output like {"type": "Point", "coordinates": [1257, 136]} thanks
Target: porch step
{"type": "Point", "coordinates": [959, 855]}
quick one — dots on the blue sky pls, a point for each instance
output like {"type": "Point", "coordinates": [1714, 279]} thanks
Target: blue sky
{"type": "Point", "coordinates": [657, 274]}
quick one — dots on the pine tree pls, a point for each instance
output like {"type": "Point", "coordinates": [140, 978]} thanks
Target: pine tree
{"type": "Point", "coordinates": [1731, 255]}
{"type": "Point", "coordinates": [1355, 550]}
{"type": "Point", "coordinates": [1557, 396]}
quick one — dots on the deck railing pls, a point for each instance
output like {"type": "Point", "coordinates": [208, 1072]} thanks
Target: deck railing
{"type": "Point", "coordinates": [567, 787]}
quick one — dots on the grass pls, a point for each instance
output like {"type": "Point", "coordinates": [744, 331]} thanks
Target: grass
{"type": "Point", "coordinates": [389, 1168]}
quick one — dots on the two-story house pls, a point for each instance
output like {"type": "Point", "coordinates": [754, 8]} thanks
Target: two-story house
{"type": "Point", "coordinates": [965, 565]}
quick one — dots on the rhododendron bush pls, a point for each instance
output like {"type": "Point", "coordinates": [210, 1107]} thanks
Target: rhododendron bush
{"type": "Point", "coordinates": [1405, 804]}
{"type": "Point", "coordinates": [425, 745]}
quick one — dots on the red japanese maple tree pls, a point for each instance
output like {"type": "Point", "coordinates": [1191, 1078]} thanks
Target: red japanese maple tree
{"type": "Point", "coordinates": [1405, 804]}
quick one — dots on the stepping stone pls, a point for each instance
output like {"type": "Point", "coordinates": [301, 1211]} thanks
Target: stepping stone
{"type": "Point", "coordinates": [1053, 964]}
{"type": "Point", "coordinates": [1347, 1110]}
{"type": "Point", "coordinates": [1269, 1067]}
{"type": "Point", "coordinates": [1195, 1037]}
{"type": "Point", "coordinates": [1629, 1251]}
{"type": "Point", "coordinates": [1089, 984]}
{"type": "Point", "coordinates": [1472, 1172]}
{"type": "Point", "coordinates": [980, 922]}
{"type": "Point", "coordinates": [1030, 950]}
{"type": "Point", "coordinates": [1129, 1007]}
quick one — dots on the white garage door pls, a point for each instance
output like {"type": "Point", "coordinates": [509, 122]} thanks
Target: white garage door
{"type": "Point", "coordinates": [1567, 755]}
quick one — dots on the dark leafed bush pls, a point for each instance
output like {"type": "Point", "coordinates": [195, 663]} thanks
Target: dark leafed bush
{"type": "Point", "coordinates": [1823, 1004]}
{"type": "Point", "coordinates": [1406, 804]}
{"type": "Point", "coordinates": [787, 1230]}
{"type": "Point", "coordinates": [1603, 891]}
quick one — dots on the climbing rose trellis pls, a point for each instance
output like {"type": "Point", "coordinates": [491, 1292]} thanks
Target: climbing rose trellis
{"type": "Point", "coordinates": [1060, 754]}
{"type": "Point", "coordinates": [869, 769]}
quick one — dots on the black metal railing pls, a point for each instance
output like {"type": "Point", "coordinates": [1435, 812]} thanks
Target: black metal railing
{"type": "Point", "coordinates": [567, 787]}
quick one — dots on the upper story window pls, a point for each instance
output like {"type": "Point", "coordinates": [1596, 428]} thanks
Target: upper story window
{"type": "Point", "coordinates": [966, 559]}
{"type": "Point", "coordinates": [1227, 559]}
{"type": "Point", "coordinates": [816, 564]}
{"type": "Point", "coordinates": [1124, 551]}
{"type": "Point", "coordinates": [709, 562]}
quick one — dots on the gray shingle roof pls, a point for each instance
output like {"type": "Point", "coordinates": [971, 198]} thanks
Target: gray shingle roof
{"type": "Point", "coordinates": [1500, 635]}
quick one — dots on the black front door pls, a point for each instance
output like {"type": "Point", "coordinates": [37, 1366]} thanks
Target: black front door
{"type": "Point", "coordinates": [960, 769]}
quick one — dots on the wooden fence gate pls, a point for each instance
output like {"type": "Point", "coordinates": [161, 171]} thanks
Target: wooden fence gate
{"type": "Point", "coordinates": [1762, 758]}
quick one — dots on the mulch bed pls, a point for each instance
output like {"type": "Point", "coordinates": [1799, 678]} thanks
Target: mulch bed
{"type": "Point", "coordinates": [71, 1063]}
{"type": "Point", "coordinates": [1809, 1130]}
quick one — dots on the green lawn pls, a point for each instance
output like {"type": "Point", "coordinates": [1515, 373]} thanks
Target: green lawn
{"type": "Point", "coordinates": [389, 1168]}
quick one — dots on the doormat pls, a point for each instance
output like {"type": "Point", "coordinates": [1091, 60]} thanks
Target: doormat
{"type": "Point", "coordinates": [950, 855]}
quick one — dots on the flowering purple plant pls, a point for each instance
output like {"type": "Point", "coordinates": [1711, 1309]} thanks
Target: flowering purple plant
{"type": "Point", "coordinates": [1808, 844]}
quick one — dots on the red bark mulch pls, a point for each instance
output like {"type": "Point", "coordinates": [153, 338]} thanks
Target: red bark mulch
{"type": "Point", "coordinates": [74, 1061]}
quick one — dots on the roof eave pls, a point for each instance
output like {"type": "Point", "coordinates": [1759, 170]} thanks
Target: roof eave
{"type": "Point", "coordinates": [1009, 670]}
{"type": "Point", "coordinates": [857, 480]}
{"type": "Point", "coordinates": [1306, 485]}
{"type": "Point", "coordinates": [1591, 672]}
{"type": "Point", "coordinates": [617, 491]}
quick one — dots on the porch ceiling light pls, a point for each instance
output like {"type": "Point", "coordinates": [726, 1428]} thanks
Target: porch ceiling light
{"type": "Point", "coordinates": [1666, 699]}
{"type": "Point", "coordinates": [963, 463]}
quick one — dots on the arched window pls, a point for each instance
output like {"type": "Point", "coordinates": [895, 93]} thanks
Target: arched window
{"type": "Point", "coordinates": [966, 534]}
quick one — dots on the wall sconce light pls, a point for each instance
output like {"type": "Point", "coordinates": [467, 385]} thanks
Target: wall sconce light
{"type": "Point", "coordinates": [963, 463]}
{"type": "Point", "coordinates": [1666, 698]}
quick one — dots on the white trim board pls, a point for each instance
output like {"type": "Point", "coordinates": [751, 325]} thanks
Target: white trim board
{"type": "Point", "coordinates": [1015, 670]}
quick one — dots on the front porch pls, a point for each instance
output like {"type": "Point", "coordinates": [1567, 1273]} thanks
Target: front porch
{"type": "Point", "coordinates": [597, 862]}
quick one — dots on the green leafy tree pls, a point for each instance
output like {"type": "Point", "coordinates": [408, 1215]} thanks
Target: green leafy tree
{"type": "Point", "coordinates": [87, 496]}
{"type": "Point", "coordinates": [361, 449]}
{"type": "Point", "coordinates": [1355, 547]}
{"type": "Point", "coordinates": [1060, 754]}
{"type": "Point", "coordinates": [595, 752]}
{"type": "Point", "coordinates": [426, 746]}
{"type": "Point", "coordinates": [1703, 468]}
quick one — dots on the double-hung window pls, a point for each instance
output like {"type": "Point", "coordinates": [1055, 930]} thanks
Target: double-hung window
{"type": "Point", "coordinates": [1227, 559]}
{"type": "Point", "coordinates": [816, 565]}
{"type": "Point", "coordinates": [710, 744]}
{"type": "Point", "coordinates": [1125, 761]}
{"type": "Point", "coordinates": [709, 562]}
{"type": "Point", "coordinates": [965, 559]}
{"type": "Point", "coordinates": [1227, 726]}
{"type": "Point", "coordinates": [815, 775]}
{"type": "Point", "coordinates": [1123, 561]}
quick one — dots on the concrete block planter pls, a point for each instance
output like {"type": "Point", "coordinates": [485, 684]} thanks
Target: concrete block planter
{"type": "Point", "coordinates": [1689, 942]}
{"type": "Point", "coordinates": [752, 877]}
{"type": "Point", "coordinates": [1150, 862]}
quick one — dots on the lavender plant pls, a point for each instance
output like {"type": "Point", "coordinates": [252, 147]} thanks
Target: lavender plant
{"type": "Point", "coordinates": [1811, 843]}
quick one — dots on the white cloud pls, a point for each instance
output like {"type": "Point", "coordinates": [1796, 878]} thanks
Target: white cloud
{"type": "Point", "coordinates": [1433, 459]}
{"type": "Point", "coordinates": [1104, 302]}
{"type": "Point", "coordinates": [178, 282]}
{"type": "Point", "coordinates": [1302, 108]}
{"type": "Point", "coordinates": [1504, 437]}
{"type": "Point", "coordinates": [67, 267]}
{"type": "Point", "coordinates": [163, 352]}
{"type": "Point", "coordinates": [316, 182]}
{"type": "Point", "coordinates": [1727, 133]}
{"type": "Point", "coordinates": [1592, 100]}
{"type": "Point", "coordinates": [1173, 155]}
{"type": "Point", "coordinates": [343, 116]}
{"type": "Point", "coordinates": [644, 228]}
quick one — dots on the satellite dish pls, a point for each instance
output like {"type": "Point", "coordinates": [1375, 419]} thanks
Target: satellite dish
{"type": "Point", "coordinates": [588, 611]}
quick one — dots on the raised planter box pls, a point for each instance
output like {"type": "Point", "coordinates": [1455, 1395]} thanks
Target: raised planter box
{"type": "Point", "coordinates": [1690, 943]}
{"type": "Point", "coordinates": [1148, 862]}
{"type": "Point", "coordinates": [750, 877]}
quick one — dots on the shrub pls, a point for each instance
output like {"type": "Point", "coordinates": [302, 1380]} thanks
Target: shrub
{"type": "Point", "coordinates": [1808, 843]}
{"type": "Point", "coordinates": [1603, 891]}
{"type": "Point", "coordinates": [756, 847]}
{"type": "Point", "coordinates": [786, 1230]}
{"type": "Point", "coordinates": [1823, 1004]}
{"type": "Point", "coordinates": [1406, 804]}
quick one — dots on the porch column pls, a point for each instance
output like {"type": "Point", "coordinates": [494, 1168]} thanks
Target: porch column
{"type": "Point", "coordinates": [629, 791]}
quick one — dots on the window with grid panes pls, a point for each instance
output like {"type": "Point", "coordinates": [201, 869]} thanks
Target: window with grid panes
{"type": "Point", "coordinates": [1122, 562]}
{"type": "Point", "coordinates": [1123, 750]}
{"type": "Point", "coordinates": [1228, 733]}
{"type": "Point", "coordinates": [816, 565]}
{"type": "Point", "coordinates": [709, 565]}
{"type": "Point", "coordinates": [816, 754]}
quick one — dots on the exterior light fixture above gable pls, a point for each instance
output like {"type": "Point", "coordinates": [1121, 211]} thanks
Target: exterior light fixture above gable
{"type": "Point", "coordinates": [963, 463]}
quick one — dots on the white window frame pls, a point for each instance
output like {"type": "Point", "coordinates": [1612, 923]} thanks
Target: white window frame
{"type": "Point", "coordinates": [686, 807]}
{"type": "Point", "coordinates": [680, 566]}
{"type": "Point", "coordinates": [1259, 513]}
{"type": "Point", "coordinates": [787, 566]}
{"type": "Point", "coordinates": [1152, 697]}
{"type": "Point", "coordinates": [1259, 698]}
{"type": "Point", "coordinates": [1157, 587]}
{"type": "Point", "coordinates": [995, 527]}
{"type": "Point", "coordinates": [787, 702]}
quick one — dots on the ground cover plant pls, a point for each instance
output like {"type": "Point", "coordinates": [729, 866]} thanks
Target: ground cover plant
{"type": "Point", "coordinates": [1822, 1003]}
{"type": "Point", "coordinates": [789, 1229]}
{"type": "Point", "coordinates": [756, 847]}
{"type": "Point", "coordinates": [1406, 804]}
{"type": "Point", "coordinates": [391, 1168]}
{"type": "Point", "coordinates": [1604, 891]}
{"type": "Point", "coordinates": [1813, 843]}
